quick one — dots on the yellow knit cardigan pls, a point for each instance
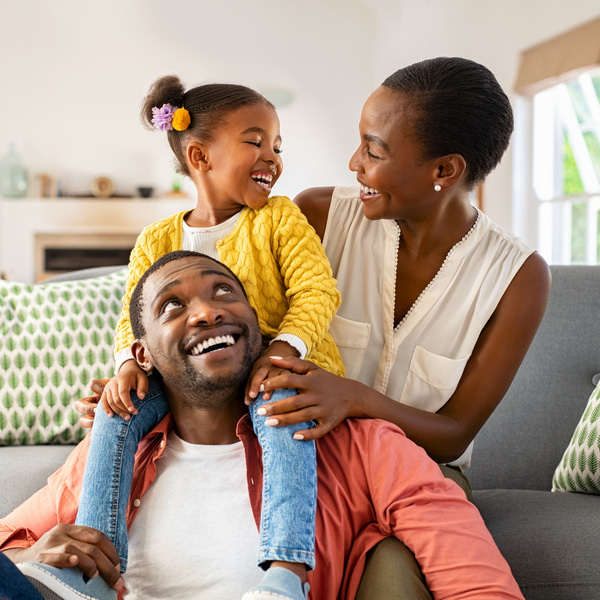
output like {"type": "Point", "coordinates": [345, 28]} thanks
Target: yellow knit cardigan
{"type": "Point", "coordinates": [279, 259]}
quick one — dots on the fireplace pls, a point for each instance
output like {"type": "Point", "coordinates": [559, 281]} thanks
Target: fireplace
{"type": "Point", "coordinates": [57, 253]}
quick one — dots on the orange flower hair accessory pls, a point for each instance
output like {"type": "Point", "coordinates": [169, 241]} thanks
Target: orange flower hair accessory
{"type": "Point", "coordinates": [168, 117]}
{"type": "Point", "coordinates": [181, 119]}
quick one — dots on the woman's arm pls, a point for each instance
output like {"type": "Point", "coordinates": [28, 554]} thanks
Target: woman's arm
{"type": "Point", "coordinates": [445, 435]}
{"type": "Point", "coordinates": [314, 203]}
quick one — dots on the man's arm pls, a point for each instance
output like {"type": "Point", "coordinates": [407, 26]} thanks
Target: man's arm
{"type": "Point", "coordinates": [431, 515]}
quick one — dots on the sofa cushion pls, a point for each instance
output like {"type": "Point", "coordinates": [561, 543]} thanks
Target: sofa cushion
{"type": "Point", "coordinates": [549, 540]}
{"type": "Point", "coordinates": [25, 470]}
{"type": "Point", "coordinates": [579, 469]}
{"type": "Point", "coordinates": [54, 338]}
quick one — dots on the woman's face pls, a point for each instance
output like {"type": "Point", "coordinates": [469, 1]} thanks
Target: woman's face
{"type": "Point", "coordinates": [395, 182]}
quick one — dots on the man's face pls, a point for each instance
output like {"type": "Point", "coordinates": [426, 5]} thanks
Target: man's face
{"type": "Point", "coordinates": [201, 333]}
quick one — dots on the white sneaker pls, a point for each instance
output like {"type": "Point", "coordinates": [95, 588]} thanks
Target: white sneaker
{"type": "Point", "coordinates": [65, 584]}
{"type": "Point", "coordinates": [278, 583]}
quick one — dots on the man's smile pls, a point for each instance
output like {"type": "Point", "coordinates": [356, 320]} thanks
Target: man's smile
{"type": "Point", "coordinates": [213, 344]}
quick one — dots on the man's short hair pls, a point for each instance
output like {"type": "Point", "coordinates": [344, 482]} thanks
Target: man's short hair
{"type": "Point", "coordinates": [136, 304]}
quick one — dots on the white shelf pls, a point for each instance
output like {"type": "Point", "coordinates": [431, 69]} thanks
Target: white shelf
{"type": "Point", "coordinates": [22, 218]}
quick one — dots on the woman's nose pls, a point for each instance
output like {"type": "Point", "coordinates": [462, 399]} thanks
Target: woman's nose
{"type": "Point", "coordinates": [355, 164]}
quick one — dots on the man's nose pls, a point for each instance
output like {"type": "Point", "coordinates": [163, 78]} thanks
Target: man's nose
{"type": "Point", "coordinates": [203, 312]}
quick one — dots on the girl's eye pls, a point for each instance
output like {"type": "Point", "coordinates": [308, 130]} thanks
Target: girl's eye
{"type": "Point", "coordinates": [277, 150]}
{"type": "Point", "coordinates": [257, 144]}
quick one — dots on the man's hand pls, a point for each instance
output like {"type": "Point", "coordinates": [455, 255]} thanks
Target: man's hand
{"type": "Point", "coordinates": [68, 545]}
{"type": "Point", "coordinates": [87, 406]}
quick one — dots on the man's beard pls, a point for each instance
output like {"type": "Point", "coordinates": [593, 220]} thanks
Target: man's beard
{"type": "Point", "coordinates": [199, 390]}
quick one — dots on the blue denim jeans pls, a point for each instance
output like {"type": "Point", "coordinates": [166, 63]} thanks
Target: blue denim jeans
{"type": "Point", "coordinates": [289, 496]}
{"type": "Point", "coordinates": [13, 584]}
{"type": "Point", "coordinates": [289, 480]}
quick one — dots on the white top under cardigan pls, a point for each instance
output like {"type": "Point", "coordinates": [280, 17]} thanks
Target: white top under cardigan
{"type": "Point", "coordinates": [421, 361]}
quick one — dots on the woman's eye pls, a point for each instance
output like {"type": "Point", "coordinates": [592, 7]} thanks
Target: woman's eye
{"type": "Point", "coordinates": [371, 155]}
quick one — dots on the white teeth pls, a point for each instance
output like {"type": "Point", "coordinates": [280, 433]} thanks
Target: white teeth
{"type": "Point", "coordinates": [263, 178]}
{"type": "Point", "coordinates": [209, 343]}
{"type": "Point", "coordinates": [367, 190]}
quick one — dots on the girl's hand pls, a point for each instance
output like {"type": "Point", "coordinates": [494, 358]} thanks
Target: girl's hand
{"type": "Point", "coordinates": [115, 396]}
{"type": "Point", "coordinates": [263, 369]}
{"type": "Point", "coordinates": [322, 397]}
{"type": "Point", "coordinates": [87, 406]}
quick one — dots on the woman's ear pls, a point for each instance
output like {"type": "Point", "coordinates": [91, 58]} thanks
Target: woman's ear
{"type": "Point", "coordinates": [449, 170]}
{"type": "Point", "coordinates": [142, 356]}
{"type": "Point", "coordinates": [197, 157]}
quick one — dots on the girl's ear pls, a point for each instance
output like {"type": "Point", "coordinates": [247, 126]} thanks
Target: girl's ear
{"type": "Point", "coordinates": [449, 170]}
{"type": "Point", "coordinates": [142, 356]}
{"type": "Point", "coordinates": [197, 157]}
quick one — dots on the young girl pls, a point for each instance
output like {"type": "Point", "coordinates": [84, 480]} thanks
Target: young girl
{"type": "Point", "coordinates": [226, 139]}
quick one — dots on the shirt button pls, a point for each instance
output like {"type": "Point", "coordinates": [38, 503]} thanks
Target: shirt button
{"type": "Point", "coordinates": [219, 242]}
{"type": "Point", "coordinates": [162, 444]}
{"type": "Point", "coordinates": [136, 502]}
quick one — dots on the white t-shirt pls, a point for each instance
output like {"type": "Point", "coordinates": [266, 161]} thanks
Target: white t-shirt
{"type": "Point", "coordinates": [194, 536]}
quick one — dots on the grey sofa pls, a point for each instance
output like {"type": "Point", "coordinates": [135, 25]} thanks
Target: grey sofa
{"type": "Point", "coordinates": [551, 540]}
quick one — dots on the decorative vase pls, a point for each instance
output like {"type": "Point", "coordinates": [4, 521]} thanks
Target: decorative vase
{"type": "Point", "coordinates": [14, 180]}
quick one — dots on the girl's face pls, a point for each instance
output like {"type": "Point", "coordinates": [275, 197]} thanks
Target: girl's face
{"type": "Point", "coordinates": [244, 158]}
{"type": "Point", "coordinates": [395, 182]}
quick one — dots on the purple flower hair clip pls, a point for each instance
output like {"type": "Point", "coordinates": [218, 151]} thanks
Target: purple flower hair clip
{"type": "Point", "coordinates": [162, 118]}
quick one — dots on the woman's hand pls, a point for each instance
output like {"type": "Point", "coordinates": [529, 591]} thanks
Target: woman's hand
{"type": "Point", "coordinates": [322, 397]}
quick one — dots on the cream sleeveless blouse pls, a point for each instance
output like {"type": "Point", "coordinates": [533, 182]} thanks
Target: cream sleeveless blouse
{"type": "Point", "coordinates": [421, 361]}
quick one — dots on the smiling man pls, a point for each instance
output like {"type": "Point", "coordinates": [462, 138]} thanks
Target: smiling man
{"type": "Point", "coordinates": [194, 513]}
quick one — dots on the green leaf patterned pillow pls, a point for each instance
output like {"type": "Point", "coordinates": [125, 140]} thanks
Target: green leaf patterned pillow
{"type": "Point", "coordinates": [54, 339]}
{"type": "Point", "coordinates": [579, 469]}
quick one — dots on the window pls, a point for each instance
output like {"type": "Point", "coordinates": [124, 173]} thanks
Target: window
{"type": "Point", "coordinates": [566, 169]}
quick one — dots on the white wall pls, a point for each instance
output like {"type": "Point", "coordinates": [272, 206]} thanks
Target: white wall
{"type": "Point", "coordinates": [73, 73]}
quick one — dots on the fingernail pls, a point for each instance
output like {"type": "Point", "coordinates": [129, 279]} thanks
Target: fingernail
{"type": "Point", "coordinates": [278, 357]}
{"type": "Point", "coordinates": [252, 394]}
{"type": "Point", "coordinates": [261, 411]}
{"type": "Point", "coordinates": [298, 436]}
{"type": "Point", "coordinates": [271, 422]}
{"type": "Point", "coordinates": [261, 388]}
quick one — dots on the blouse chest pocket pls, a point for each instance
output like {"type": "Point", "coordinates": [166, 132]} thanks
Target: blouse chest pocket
{"type": "Point", "coordinates": [431, 379]}
{"type": "Point", "coordinates": [352, 338]}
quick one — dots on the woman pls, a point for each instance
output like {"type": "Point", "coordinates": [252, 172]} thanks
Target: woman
{"type": "Point", "coordinates": [439, 305]}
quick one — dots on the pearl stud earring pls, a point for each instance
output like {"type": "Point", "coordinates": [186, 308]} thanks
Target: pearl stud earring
{"type": "Point", "coordinates": [437, 187]}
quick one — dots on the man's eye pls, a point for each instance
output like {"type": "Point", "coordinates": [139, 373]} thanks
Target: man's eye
{"type": "Point", "coordinates": [171, 305]}
{"type": "Point", "coordinates": [223, 289]}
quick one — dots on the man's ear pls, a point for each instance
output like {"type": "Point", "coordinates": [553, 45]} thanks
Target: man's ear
{"type": "Point", "coordinates": [449, 170]}
{"type": "Point", "coordinates": [197, 156]}
{"type": "Point", "coordinates": [142, 356]}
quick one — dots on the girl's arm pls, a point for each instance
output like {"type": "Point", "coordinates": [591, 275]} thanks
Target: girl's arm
{"type": "Point", "coordinates": [445, 435]}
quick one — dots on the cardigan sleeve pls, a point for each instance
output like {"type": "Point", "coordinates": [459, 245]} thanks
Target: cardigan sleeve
{"type": "Point", "coordinates": [154, 241]}
{"type": "Point", "coordinates": [310, 287]}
